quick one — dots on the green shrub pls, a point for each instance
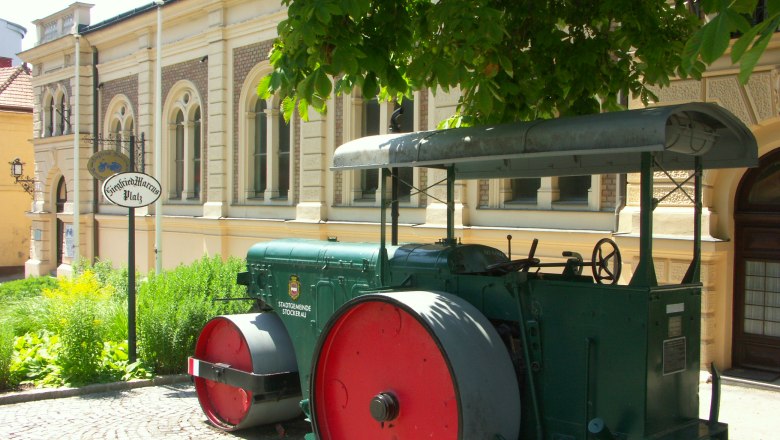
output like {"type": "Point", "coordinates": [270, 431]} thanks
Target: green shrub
{"type": "Point", "coordinates": [80, 309]}
{"type": "Point", "coordinates": [82, 342]}
{"type": "Point", "coordinates": [6, 353]}
{"type": "Point", "coordinates": [114, 311]}
{"type": "Point", "coordinates": [115, 363]}
{"type": "Point", "coordinates": [106, 274]}
{"type": "Point", "coordinates": [74, 330]}
{"type": "Point", "coordinates": [174, 306]}
{"type": "Point", "coordinates": [35, 360]}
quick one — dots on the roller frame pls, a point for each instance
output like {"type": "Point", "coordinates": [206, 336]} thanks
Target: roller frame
{"type": "Point", "coordinates": [280, 385]}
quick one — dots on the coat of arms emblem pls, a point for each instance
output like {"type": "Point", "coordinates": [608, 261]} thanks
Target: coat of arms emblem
{"type": "Point", "coordinates": [294, 287]}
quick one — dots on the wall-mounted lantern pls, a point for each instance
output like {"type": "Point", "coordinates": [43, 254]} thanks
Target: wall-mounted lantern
{"type": "Point", "coordinates": [17, 170]}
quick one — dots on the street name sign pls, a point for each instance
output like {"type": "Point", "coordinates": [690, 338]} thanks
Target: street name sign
{"type": "Point", "coordinates": [132, 190]}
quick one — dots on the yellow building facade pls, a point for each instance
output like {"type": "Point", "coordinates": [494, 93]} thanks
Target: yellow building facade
{"type": "Point", "coordinates": [16, 115]}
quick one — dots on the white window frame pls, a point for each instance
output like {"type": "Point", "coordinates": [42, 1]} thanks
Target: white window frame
{"type": "Point", "coordinates": [53, 122]}
{"type": "Point", "coordinates": [547, 196]}
{"type": "Point", "coordinates": [119, 122]}
{"type": "Point", "coordinates": [183, 98]}
{"type": "Point", "coordinates": [246, 145]}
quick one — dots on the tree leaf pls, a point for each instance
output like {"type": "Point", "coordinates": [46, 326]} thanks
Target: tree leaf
{"type": "Point", "coordinates": [744, 6]}
{"type": "Point", "coordinates": [306, 87]}
{"type": "Point", "coordinates": [691, 51]}
{"type": "Point", "coordinates": [715, 38]}
{"type": "Point", "coordinates": [303, 109]}
{"type": "Point", "coordinates": [484, 100]}
{"type": "Point", "coordinates": [506, 64]}
{"type": "Point", "coordinates": [751, 57]}
{"type": "Point", "coordinates": [395, 80]}
{"type": "Point", "coordinates": [370, 88]}
{"type": "Point", "coordinates": [741, 45]}
{"type": "Point", "coordinates": [772, 9]}
{"type": "Point", "coordinates": [263, 89]}
{"type": "Point", "coordinates": [323, 86]}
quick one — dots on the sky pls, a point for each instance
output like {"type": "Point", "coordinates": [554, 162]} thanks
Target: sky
{"type": "Point", "coordinates": [26, 11]}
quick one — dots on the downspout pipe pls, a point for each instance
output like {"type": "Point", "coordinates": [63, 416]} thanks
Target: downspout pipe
{"type": "Point", "coordinates": [76, 145]}
{"type": "Point", "coordinates": [158, 205]}
{"type": "Point", "coordinates": [95, 132]}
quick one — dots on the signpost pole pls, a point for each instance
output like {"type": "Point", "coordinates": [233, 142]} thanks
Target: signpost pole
{"type": "Point", "coordinates": [131, 340]}
{"type": "Point", "coordinates": [129, 189]}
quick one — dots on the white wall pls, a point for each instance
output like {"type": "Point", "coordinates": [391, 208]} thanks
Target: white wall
{"type": "Point", "coordinates": [11, 35]}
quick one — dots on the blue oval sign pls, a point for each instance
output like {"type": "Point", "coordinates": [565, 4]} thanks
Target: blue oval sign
{"type": "Point", "coordinates": [132, 190]}
{"type": "Point", "coordinates": [106, 163]}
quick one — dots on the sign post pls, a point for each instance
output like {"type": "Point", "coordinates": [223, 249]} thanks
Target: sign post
{"type": "Point", "coordinates": [131, 190]}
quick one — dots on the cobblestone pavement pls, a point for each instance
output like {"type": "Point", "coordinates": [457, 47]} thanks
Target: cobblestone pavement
{"type": "Point", "coordinates": [159, 412]}
{"type": "Point", "coordinates": [172, 412]}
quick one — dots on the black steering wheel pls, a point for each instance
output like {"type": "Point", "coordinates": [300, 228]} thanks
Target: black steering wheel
{"type": "Point", "coordinates": [606, 262]}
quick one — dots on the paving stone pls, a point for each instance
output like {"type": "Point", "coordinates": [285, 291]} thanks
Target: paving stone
{"type": "Point", "coordinates": [156, 412]}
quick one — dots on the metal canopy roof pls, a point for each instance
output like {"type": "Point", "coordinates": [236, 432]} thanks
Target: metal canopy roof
{"type": "Point", "coordinates": [592, 144]}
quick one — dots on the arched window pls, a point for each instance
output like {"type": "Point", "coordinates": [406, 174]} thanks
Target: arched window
{"type": "Point", "coordinates": [283, 158]}
{"type": "Point", "coordinates": [269, 153]}
{"type": "Point", "coordinates": [405, 124]}
{"type": "Point", "coordinates": [259, 151]}
{"type": "Point", "coordinates": [62, 198]}
{"type": "Point", "coordinates": [372, 118]}
{"type": "Point", "coordinates": [369, 179]}
{"type": "Point", "coordinates": [115, 135]}
{"type": "Point", "coordinates": [63, 120]}
{"type": "Point", "coordinates": [179, 156]}
{"type": "Point", "coordinates": [119, 126]}
{"type": "Point", "coordinates": [196, 152]}
{"type": "Point", "coordinates": [266, 147]}
{"type": "Point", "coordinates": [185, 163]}
{"type": "Point", "coordinates": [50, 117]}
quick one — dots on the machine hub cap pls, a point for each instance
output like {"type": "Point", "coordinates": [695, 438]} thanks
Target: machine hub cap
{"type": "Point", "coordinates": [384, 407]}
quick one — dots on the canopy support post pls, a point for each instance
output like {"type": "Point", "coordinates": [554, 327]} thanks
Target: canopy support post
{"type": "Point", "coordinates": [645, 271]}
{"type": "Point", "coordinates": [450, 205]}
{"type": "Point", "coordinates": [394, 213]}
{"type": "Point", "coordinates": [383, 226]}
{"type": "Point", "coordinates": [693, 275]}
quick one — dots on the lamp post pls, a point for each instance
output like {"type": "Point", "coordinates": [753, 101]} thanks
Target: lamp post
{"type": "Point", "coordinates": [17, 170]}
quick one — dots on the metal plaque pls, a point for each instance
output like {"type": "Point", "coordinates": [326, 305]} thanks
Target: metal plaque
{"type": "Point", "coordinates": [674, 355]}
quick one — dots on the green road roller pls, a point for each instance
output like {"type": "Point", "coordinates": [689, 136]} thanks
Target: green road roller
{"type": "Point", "coordinates": [454, 340]}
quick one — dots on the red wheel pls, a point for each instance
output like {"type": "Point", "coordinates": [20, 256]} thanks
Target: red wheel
{"type": "Point", "coordinates": [253, 342]}
{"type": "Point", "coordinates": [412, 365]}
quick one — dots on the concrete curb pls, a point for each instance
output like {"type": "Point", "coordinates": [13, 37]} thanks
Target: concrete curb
{"type": "Point", "coordinates": [750, 383]}
{"type": "Point", "coordinates": [57, 393]}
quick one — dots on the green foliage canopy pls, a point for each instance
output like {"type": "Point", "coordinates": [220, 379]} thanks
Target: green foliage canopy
{"type": "Point", "coordinates": [510, 59]}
